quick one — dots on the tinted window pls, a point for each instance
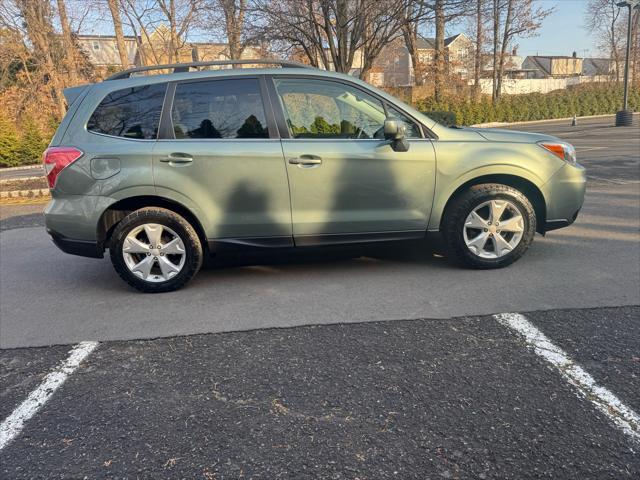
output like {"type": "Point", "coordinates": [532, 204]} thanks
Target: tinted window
{"type": "Point", "coordinates": [413, 131]}
{"type": "Point", "coordinates": [131, 113]}
{"type": "Point", "coordinates": [219, 109]}
{"type": "Point", "coordinates": [324, 109]}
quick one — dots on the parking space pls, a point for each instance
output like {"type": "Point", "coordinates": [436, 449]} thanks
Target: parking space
{"type": "Point", "coordinates": [606, 342]}
{"type": "Point", "coordinates": [461, 398]}
{"type": "Point", "coordinates": [22, 370]}
{"type": "Point", "coordinates": [350, 389]}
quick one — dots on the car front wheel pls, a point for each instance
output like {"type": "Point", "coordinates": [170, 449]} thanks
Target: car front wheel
{"type": "Point", "coordinates": [489, 226]}
{"type": "Point", "coordinates": [155, 250]}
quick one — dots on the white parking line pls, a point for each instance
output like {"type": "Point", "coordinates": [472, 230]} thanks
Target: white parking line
{"type": "Point", "coordinates": [605, 401]}
{"type": "Point", "coordinates": [14, 423]}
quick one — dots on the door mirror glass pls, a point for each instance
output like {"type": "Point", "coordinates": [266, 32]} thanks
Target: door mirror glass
{"type": "Point", "coordinates": [395, 131]}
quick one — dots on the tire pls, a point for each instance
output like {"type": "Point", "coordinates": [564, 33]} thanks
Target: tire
{"type": "Point", "coordinates": [155, 271]}
{"type": "Point", "coordinates": [464, 241]}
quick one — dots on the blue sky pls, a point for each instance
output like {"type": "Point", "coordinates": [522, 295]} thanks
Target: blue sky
{"type": "Point", "coordinates": [562, 32]}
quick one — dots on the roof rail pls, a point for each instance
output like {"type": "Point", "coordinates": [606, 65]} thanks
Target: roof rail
{"type": "Point", "coordinates": [185, 67]}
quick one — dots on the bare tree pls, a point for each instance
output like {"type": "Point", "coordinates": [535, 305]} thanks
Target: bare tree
{"type": "Point", "coordinates": [415, 13]}
{"type": "Point", "coordinates": [146, 16]}
{"type": "Point", "coordinates": [444, 11]}
{"type": "Point", "coordinates": [114, 8]}
{"type": "Point", "coordinates": [228, 18]}
{"type": "Point", "coordinates": [68, 43]}
{"type": "Point", "coordinates": [608, 22]}
{"type": "Point", "coordinates": [521, 19]}
{"type": "Point", "coordinates": [333, 33]}
{"type": "Point", "coordinates": [37, 16]}
{"type": "Point", "coordinates": [179, 14]}
{"type": "Point", "coordinates": [234, 14]}
{"type": "Point", "coordinates": [477, 60]}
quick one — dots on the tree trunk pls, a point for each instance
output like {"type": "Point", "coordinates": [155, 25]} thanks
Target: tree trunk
{"type": "Point", "coordinates": [68, 44]}
{"type": "Point", "coordinates": [503, 49]}
{"type": "Point", "coordinates": [117, 26]}
{"type": "Point", "coordinates": [496, 41]}
{"type": "Point", "coordinates": [477, 89]}
{"type": "Point", "coordinates": [234, 22]}
{"type": "Point", "coordinates": [440, 50]}
{"type": "Point", "coordinates": [635, 47]}
{"type": "Point", "coordinates": [410, 35]}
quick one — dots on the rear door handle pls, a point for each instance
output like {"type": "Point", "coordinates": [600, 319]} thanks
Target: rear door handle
{"type": "Point", "coordinates": [177, 158]}
{"type": "Point", "coordinates": [306, 160]}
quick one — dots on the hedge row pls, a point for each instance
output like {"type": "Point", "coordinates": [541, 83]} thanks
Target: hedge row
{"type": "Point", "coordinates": [581, 101]}
{"type": "Point", "coordinates": [22, 148]}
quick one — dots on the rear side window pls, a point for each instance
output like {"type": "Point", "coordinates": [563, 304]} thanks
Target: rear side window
{"type": "Point", "coordinates": [219, 109]}
{"type": "Point", "coordinates": [130, 113]}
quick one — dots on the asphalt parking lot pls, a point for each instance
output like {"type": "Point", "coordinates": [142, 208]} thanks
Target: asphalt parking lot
{"type": "Point", "coordinates": [392, 365]}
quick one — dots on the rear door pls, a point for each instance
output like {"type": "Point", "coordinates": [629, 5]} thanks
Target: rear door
{"type": "Point", "coordinates": [347, 183]}
{"type": "Point", "coordinates": [219, 153]}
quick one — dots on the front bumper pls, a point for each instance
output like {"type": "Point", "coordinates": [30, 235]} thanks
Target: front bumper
{"type": "Point", "coordinates": [564, 195]}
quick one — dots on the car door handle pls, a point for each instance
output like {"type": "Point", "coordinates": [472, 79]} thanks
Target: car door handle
{"type": "Point", "coordinates": [306, 160]}
{"type": "Point", "coordinates": [177, 158]}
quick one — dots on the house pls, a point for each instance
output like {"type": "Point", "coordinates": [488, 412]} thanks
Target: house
{"type": "Point", "coordinates": [553, 66]}
{"type": "Point", "coordinates": [395, 67]}
{"type": "Point", "coordinates": [102, 50]}
{"type": "Point", "coordinates": [604, 67]}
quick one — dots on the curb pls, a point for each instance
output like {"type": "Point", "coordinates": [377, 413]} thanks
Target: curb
{"type": "Point", "coordinates": [19, 179]}
{"type": "Point", "coordinates": [532, 122]}
{"type": "Point", "coordinates": [24, 167]}
{"type": "Point", "coordinates": [35, 193]}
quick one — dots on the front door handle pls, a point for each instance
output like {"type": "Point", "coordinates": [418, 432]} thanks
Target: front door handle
{"type": "Point", "coordinates": [306, 160]}
{"type": "Point", "coordinates": [177, 158]}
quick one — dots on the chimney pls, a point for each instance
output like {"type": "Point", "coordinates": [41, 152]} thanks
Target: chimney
{"type": "Point", "coordinates": [575, 55]}
{"type": "Point", "coordinates": [514, 52]}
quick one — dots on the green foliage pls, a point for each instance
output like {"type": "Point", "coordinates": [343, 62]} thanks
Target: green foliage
{"type": "Point", "coordinates": [32, 143]}
{"type": "Point", "coordinates": [9, 142]}
{"type": "Point", "coordinates": [445, 118]}
{"type": "Point", "coordinates": [581, 100]}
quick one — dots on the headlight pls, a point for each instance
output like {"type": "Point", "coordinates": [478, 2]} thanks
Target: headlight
{"type": "Point", "coordinates": [564, 151]}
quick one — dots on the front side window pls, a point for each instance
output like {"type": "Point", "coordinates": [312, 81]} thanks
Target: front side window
{"type": "Point", "coordinates": [130, 113]}
{"type": "Point", "coordinates": [412, 128]}
{"type": "Point", "coordinates": [325, 109]}
{"type": "Point", "coordinates": [219, 109]}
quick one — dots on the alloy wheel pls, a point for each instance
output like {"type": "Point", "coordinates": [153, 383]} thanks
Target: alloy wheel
{"type": "Point", "coordinates": [154, 252]}
{"type": "Point", "coordinates": [493, 228]}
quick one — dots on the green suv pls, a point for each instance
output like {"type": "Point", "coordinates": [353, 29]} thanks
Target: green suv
{"type": "Point", "coordinates": [165, 169]}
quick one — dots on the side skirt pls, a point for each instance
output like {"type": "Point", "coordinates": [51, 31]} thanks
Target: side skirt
{"type": "Point", "coordinates": [220, 245]}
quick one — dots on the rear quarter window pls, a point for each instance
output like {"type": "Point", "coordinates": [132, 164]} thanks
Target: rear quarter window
{"type": "Point", "coordinates": [130, 112]}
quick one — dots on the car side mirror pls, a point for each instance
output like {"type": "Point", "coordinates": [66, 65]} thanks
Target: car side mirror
{"type": "Point", "coordinates": [396, 133]}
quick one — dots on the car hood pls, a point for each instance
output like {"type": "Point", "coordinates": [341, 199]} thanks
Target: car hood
{"type": "Point", "coordinates": [512, 136]}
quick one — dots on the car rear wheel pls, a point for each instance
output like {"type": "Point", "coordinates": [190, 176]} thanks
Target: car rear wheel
{"type": "Point", "coordinates": [155, 250]}
{"type": "Point", "coordinates": [489, 226]}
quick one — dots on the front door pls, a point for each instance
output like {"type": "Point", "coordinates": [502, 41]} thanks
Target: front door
{"type": "Point", "coordinates": [223, 158]}
{"type": "Point", "coordinates": [346, 181]}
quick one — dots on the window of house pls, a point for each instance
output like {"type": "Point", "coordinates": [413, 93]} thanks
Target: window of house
{"type": "Point", "coordinates": [219, 109]}
{"type": "Point", "coordinates": [130, 113]}
{"type": "Point", "coordinates": [96, 46]}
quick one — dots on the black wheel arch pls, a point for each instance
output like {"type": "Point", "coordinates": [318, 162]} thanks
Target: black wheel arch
{"type": "Point", "coordinates": [117, 211]}
{"type": "Point", "coordinates": [532, 192]}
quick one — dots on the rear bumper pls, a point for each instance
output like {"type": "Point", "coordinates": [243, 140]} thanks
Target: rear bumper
{"type": "Point", "coordinates": [83, 248]}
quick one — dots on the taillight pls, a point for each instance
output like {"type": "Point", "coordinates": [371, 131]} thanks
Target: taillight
{"type": "Point", "coordinates": [55, 159]}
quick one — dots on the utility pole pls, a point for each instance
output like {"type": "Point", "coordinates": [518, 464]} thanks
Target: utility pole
{"type": "Point", "coordinates": [624, 118]}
